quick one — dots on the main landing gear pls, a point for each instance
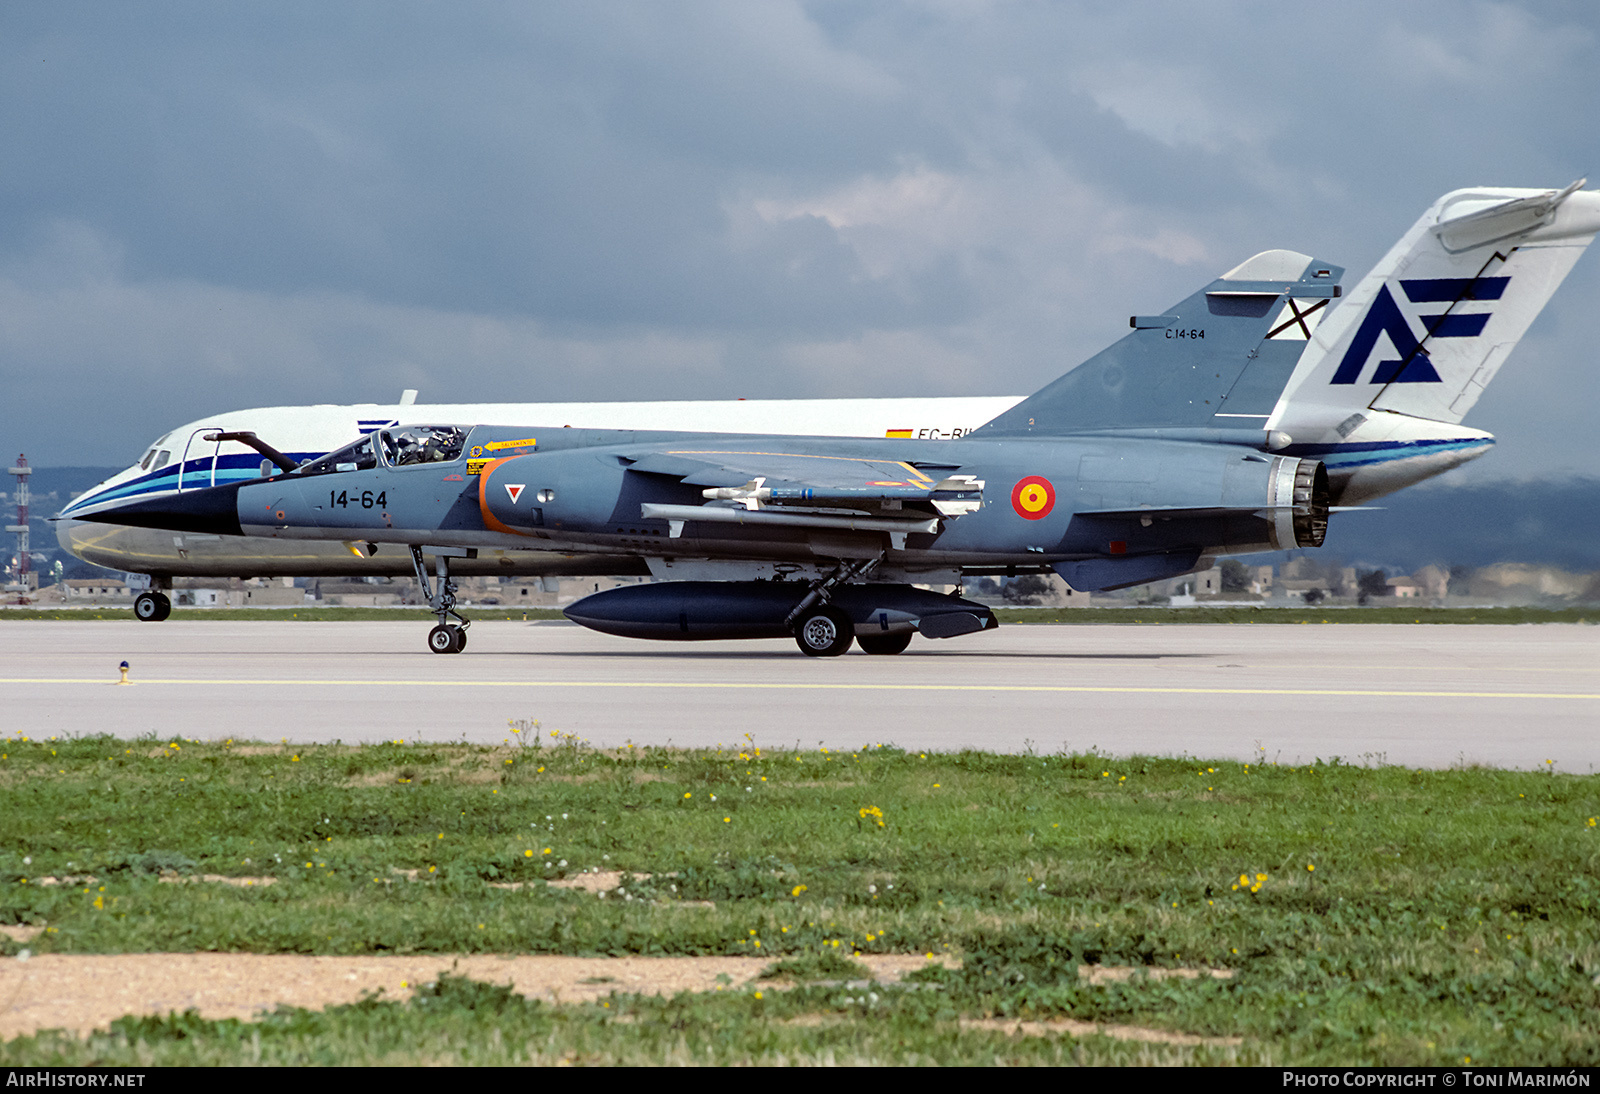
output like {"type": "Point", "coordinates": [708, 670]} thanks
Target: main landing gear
{"type": "Point", "coordinates": [446, 637]}
{"type": "Point", "coordinates": [824, 632]}
{"type": "Point", "coordinates": [820, 629]}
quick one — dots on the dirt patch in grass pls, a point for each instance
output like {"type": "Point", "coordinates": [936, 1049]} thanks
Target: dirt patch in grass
{"type": "Point", "coordinates": [82, 992]}
{"type": "Point", "coordinates": [602, 881]}
{"type": "Point", "coordinates": [1071, 1027]}
{"type": "Point", "coordinates": [399, 776]}
{"type": "Point", "coordinates": [169, 877]}
{"type": "Point", "coordinates": [1121, 974]}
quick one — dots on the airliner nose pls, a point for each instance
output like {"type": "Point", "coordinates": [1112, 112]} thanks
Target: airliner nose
{"type": "Point", "coordinates": [213, 510]}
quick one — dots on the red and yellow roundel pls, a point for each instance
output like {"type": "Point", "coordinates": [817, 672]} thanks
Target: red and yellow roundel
{"type": "Point", "coordinates": [1033, 498]}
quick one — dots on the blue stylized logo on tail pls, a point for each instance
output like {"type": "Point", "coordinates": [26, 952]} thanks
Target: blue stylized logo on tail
{"type": "Point", "coordinates": [1385, 317]}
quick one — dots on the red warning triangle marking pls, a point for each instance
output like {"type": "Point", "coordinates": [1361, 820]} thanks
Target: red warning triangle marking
{"type": "Point", "coordinates": [514, 490]}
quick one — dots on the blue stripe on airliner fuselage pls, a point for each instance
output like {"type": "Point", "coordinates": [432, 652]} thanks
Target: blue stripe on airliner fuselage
{"type": "Point", "coordinates": [230, 469]}
{"type": "Point", "coordinates": [1344, 457]}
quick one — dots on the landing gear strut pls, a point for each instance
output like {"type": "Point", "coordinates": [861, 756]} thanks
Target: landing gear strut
{"type": "Point", "coordinates": [153, 605]}
{"type": "Point", "coordinates": [441, 595]}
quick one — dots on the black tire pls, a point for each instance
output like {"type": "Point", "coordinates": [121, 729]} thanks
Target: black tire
{"type": "Point", "coordinates": [461, 638]}
{"type": "Point", "coordinates": [824, 632]}
{"type": "Point", "coordinates": [443, 640]}
{"type": "Point", "coordinates": [151, 607]}
{"type": "Point", "coordinates": [884, 643]}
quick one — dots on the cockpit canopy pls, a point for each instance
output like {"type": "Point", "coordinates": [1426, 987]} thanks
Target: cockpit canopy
{"type": "Point", "coordinates": [404, 446]}
{"type": "Point", "coordinates": [415, 444]}
{"type": "Point", "coordinates": [359, 456]}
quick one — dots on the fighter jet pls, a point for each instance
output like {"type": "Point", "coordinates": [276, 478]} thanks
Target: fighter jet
{"type": "Point", "coordinates": [1235, 421]}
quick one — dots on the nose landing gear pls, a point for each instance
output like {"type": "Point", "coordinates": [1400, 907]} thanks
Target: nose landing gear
{"type": "Point", "coordinates": [151, 606]}
{"type": "Point", "coordinates": [446, 637]}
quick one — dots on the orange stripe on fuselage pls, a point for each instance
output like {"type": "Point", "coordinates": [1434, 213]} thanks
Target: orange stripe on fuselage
{"type": "Point", "coordinates": [489, 519]}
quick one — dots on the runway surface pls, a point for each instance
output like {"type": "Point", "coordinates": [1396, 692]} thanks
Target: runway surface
{"type": "Point", "coordinates": [1431, 696]}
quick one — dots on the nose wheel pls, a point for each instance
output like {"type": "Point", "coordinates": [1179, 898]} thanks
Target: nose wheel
{"type": "Point", "coordinates": [447, 638]}
{"type": "Point", "coordinates": [151, 607]}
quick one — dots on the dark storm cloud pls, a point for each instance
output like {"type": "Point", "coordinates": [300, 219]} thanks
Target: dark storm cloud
{"type": "Point", "coordinates": [208, 207]}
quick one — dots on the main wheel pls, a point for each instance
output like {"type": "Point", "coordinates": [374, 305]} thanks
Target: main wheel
{"type": "Point", "coordinates": [884, 643]}
{"type": "Point", "coordinates": [461, 638]}
{"type": "Point", "coordinates": [443, 639]}
{"type": "Point", "coordinates": [824, 632]}
{"type": "Point", "coordinates": [151, 607]}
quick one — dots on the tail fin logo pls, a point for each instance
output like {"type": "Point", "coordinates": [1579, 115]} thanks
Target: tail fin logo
{"type": "Point", "coordinates": [1385, 317]}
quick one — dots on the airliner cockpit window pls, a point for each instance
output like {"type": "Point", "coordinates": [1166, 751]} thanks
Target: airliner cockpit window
{"type": "Point", "coordinates": [359, 456]}
{"type": "Point", "coordinates": [419, 444]}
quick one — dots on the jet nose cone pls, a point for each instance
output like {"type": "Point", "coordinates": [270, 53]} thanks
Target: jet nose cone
{"type": "Point", "coordinates": [68, 534]}
{"type": "Point", "coordinates": [213, 510]}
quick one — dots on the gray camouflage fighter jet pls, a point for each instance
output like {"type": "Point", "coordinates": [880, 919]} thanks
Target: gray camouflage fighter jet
{"type": "Point", "coordinates": [1233, 422]}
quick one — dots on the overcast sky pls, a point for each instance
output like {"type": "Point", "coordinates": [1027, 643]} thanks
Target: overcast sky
{"type": "Point", "coordinates": [210, 206]}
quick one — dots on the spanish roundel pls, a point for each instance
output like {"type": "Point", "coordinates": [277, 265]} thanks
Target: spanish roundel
{"type": "Point", "coordinates": [515, 490]}
{"type": "Point", "coordinates": [1033, 498]}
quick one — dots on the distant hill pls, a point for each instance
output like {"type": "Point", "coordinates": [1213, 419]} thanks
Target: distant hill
{"type": "Point", "coordinates": [59, 481]}
{"type": "Point", "coordinates": [1551, 523]}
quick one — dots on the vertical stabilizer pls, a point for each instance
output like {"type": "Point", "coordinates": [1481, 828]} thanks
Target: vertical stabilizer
{"type": "Point", "coordinates": [1424, 333]}
{"type": "Point", "coordinates": [1217, 360]}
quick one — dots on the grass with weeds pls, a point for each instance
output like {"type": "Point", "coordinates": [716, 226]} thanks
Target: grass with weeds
{"type": "Point", "coordinates": [459, 1021]}
{"type": "Point", "coordinates": [1366, 914]}
{"type": "Point", "coordinates": [821, 964]}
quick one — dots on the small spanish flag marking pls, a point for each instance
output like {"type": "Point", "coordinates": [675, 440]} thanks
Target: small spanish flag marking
{"type": "Point", "coordinates": [898, 434]}
{"type": "Point", "coordinates": [1033, 498]}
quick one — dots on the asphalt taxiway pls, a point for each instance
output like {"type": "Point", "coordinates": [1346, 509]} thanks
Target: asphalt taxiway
{"type": "Point", "coordinates": [1433, 696]}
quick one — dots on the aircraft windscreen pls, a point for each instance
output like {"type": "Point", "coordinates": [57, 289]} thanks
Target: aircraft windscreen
{"type": "Point", "coordinates": [353, 457]}
{"type": "Point", "coordinates": [144, 463]}
{"type": "Point", "coordinates": [418, 444]}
